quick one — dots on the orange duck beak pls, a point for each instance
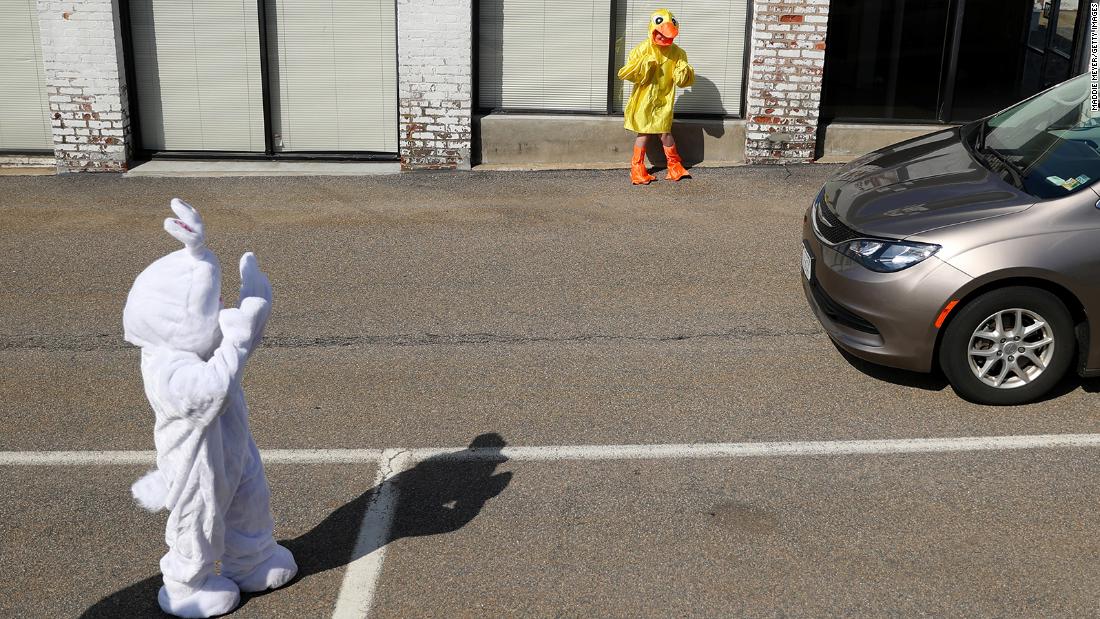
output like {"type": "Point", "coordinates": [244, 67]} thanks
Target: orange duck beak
{"type": "Point", "coordinates": [665, 33]}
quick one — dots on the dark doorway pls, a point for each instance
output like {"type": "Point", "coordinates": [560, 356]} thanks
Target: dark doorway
{"type": "Point", "coordinates": [883, 59]}
{"type": "Point", "coordinates": [945, 60]}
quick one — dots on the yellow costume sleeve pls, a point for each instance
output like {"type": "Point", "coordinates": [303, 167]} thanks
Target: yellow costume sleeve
{"type": "Point", "coordinates": [683, 75]}
{"type": "Point", "coordinates": [639, 66]}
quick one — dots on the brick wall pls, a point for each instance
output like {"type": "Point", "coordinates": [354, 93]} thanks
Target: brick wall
{"type": "Point", "coordinates": [85, 82]}
{"type": "Point", "coordinates": [434, 39]}
{"type": "Point", "coordinates": [784, 89]}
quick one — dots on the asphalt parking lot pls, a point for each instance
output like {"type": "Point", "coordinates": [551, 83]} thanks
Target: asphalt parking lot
{"type": "Point", "coordinates": [545, 319]}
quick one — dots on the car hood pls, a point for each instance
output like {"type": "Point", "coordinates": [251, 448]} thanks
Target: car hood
{"type": "Point", "coordinates": [919, 185]}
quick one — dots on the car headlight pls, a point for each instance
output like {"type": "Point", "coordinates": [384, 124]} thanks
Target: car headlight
{"type": "Point", "coordinates": [885, 256]}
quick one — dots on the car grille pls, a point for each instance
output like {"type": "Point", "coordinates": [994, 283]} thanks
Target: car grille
{"type": "Point", "coordinates": [840, 314]}
{"type": "Point", "coordinates": [829, 228]}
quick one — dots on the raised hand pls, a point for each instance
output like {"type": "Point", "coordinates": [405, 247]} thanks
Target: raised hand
{"type": "Point", "coordinates": [254, 282]}
{"type": "Point", "coordinates": [243, 326]}
{"type": "Point", "coordinates": [255, 286]}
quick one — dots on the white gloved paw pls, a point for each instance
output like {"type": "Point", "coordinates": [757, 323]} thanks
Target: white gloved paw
{"type": "Point", "coordinates": [254, 282]}
{"type": "Point", "coordinates": [241, 326]}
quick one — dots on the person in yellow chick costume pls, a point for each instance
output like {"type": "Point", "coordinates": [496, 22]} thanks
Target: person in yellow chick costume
{"type": "Point", "coordinates": [657, 66]}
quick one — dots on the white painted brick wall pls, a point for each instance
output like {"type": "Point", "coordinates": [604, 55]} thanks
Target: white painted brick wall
{"type": "Point", "coordinates": [85, 83]}
{"type": "Point", "coordinates": [88, 101]}
{"type": "Point", "coordinates": [434, 63]}
{"type": "Point", "coordinates": [784, 89]}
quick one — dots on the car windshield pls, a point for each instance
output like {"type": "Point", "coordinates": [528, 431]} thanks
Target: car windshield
{"type": "Point", "coordinates": [1048, 146]}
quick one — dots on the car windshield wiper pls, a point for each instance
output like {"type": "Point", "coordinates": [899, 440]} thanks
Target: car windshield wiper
{"type": "Point", "coordinates": [986, 154]}
{"type": "Point", "coordinates": [979, 141]}
{"type": "Point", "coordinates": [1015, 170]}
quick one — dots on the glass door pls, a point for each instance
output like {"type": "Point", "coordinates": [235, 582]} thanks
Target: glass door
{"type": "Point", "coordinates": [265, 78]}
{"type": "Point", "coordinates": [884, 60]}
{"type": "Point", "coordinates": [24, 112]}
{"type": "Point", "coordinates": [198, 75]}
{"type": "Point", "coordinates": [988, 59]}
{"type": "Point", "coordinates": [945, 60]}
{"type": "Point", "coordinates": [332, 75]}
{"type": "Point", "coordinates": [1051, 36]}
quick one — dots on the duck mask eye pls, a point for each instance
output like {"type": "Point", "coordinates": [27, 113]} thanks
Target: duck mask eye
{"type": "Point", "coordinates": [658, 20]}
{"type": "Point", "coordinates": [674, 22]}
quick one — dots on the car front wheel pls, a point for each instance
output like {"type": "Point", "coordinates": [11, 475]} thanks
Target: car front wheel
{"type": "Point", "coordinates": [1008, 346]}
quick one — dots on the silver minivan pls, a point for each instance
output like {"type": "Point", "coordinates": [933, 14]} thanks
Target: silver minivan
{"type": "Point", "coordinates": [975, 250]}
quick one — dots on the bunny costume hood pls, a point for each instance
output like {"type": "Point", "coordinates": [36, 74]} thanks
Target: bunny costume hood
{"type": "Point", "coordinates": [209, 474]}
{"type": "Point", "coordinates": [174, 303]}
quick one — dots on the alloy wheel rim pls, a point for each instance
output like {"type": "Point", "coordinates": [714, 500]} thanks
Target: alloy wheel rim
{"type": "Point", "coordinates": [1011, 348]}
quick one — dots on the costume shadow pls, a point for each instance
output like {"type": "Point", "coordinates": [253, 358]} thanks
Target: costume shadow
{"type": "Point", "coordinates": [438, 495]}
{"type": "Point", "coordinates": [691, 133]}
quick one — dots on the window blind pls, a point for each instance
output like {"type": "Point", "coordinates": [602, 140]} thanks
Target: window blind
{"type": "Point", "coordinates": [713, 34]}
{"type": "Point", "coordinates": [543, 54]}
{"type": "Point", "coordinates": [24, 108]}
{"type": "Point", "coordinates": [197, 64]}
{"type": "Point", "coordinates": [333, 71]}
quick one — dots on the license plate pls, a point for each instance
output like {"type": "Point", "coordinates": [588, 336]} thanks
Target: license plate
{"type": "Point", "coordinates": [807, 263]}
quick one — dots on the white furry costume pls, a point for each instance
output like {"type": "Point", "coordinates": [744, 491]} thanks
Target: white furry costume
{"type": "Point", "coordinates": [209, 474]}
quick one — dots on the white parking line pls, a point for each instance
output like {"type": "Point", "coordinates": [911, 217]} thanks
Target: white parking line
{"type": "Point", "coordinates": [774, 449]}
{"type": "Point", "coordinates": [362, 574]}
{"type": "Point", "coordinates": [549, 453]}
{"type": "Point", "coordinates": [105, 458]}
{"type": "Point", "coordinates": [361, 577]}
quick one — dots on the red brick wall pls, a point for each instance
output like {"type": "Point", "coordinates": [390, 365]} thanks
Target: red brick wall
{"type": "Point", "coordinates": [85, 82]}
{"type": "Point", "coordinates": [784, 88]}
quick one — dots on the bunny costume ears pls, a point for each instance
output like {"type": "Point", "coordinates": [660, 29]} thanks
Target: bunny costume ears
{"type": "Point", "coordinates": [188, 228]}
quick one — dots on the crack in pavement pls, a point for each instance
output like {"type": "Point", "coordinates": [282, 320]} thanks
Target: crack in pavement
{"type": "Point", "coordinates": [389, 456]}
{"type": "Point", "coordinates": [105, 342]}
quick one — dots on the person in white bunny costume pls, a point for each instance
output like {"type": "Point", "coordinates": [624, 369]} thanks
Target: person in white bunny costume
{"type": "Point", "coordinates": [209, 474]}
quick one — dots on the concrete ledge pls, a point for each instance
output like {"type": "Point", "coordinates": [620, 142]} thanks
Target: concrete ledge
{"type": "Point", "coordinates": [221, 167]}
{"type": "Point", "coordinates": [546, 140]}
{"type": "Point", "coordinates": [622, 165]}
{"type": "Point", "coordinates": [27, 165]}
{"type": "Point", "coordinates": [846, 141]}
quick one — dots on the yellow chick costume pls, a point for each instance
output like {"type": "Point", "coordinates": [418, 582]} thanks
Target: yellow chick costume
{"type": "Point", "coordinates": [657, 66]}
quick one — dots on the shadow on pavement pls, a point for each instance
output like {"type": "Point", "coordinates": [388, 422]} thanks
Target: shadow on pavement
{"type": "Point", "coordinates": [1072, 382]}
{"type": "Point", "coordinates": [438, 495]}
{"type": "Point", "coordinates": [936, 381]}
{"type": "Point", "coordinates": [928, 382]}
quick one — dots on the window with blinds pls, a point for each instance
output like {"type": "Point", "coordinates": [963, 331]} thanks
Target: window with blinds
{"type": "Point", "coordinates": [713, 34]}
{"type": "Point", "coordinates": [544, 54]}
{"type": "Point", "coordinates": [197, 64]}
{"type": "Point", "coordinates": [333, 72]}
{"type": "Point", "coordinates": [24, 107]}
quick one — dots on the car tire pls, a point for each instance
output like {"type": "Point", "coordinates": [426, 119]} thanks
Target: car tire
{"type": "Point", "coordinates": [964, 354]}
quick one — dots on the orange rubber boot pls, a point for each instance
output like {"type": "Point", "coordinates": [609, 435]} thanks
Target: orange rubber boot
{"type": "Point", "coordinates": [676, 169]}
{"type": "Point", "coordinates": [638, 174]}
